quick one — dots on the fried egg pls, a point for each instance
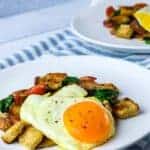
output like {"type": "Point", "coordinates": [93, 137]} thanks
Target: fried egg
{"type": "Point", "coordinates": [143, 17]}
{"type": "Point", "coordinates": [71, 120]}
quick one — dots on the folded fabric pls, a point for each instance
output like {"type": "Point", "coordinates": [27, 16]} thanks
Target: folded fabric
{"type": "Point", "coordinates": [64, 42]}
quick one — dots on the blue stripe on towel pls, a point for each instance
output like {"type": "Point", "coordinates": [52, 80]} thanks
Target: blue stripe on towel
{"type": "Point", "coordinates": [2, 66]}
{"type": "Point", "coordinates": [37, 50]}
{"type": "Point", "coordinates": [44, 45]}
{"type": "Point", "coordinates": [19, 57]}
{"type": "Point", "coordinates": [53, 41]}
{"type": "Point", "coordinates": [9, 61]}
{"type": "Point", "coordinates": [61, 37]}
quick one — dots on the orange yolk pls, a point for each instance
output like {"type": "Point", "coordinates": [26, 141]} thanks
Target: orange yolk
{"type": "Point", "coordinates": [88, 122]}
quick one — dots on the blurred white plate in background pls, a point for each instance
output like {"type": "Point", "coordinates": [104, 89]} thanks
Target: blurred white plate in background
{"type": "Point", "coordinates": [89, 26]}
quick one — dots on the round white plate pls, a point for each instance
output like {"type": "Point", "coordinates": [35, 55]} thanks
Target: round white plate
{"type": "Point", "coordinates": [89, 26]}
{"type": "Point", "coordinates": [132, 80]}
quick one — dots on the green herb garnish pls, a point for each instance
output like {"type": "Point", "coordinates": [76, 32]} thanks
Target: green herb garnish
{"type": "Point", "coordinates": [105, 94]}
{"type": "Point", "coordinates": [147, 40]}
{"type": "Point", "coordinates": [70, 80]}
{"type": "Point", "coordinates": [6, 103]}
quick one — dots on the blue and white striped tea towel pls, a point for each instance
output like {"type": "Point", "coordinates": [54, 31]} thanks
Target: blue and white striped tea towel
{"type": "Point", "coordinates": [66, 43]}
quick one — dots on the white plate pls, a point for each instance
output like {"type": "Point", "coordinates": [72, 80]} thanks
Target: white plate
{"type": "Point", "coordinates": [89, 26]}
{"type": "Point", "coordinates": [133, 81]}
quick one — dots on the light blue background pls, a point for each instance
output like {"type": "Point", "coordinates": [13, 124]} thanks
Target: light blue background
{"type": "Point", "coordinates": [12, 7]}
{"type": "Point", "coordinates": [43, 16]}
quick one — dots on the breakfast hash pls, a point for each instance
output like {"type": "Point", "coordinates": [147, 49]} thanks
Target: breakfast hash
{"type": "Point", "coordinates": [74, 113]}
{"type": "Point", "coordinates": [129, 22]}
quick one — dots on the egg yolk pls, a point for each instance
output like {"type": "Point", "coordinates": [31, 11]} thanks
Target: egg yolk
{"type": "Point", "coordinates": [88, 122]}
{"type": "Point", "coordinates": [144, 20]}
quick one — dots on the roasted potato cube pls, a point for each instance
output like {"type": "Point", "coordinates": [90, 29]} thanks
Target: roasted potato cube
{"type": "Point", "coordinates": [13, 132]}
{"type": "Point", "coordinates": [126, 11]}
{"type": "Point", "coordinates": [5, 123]}
{"type": "Point", "coordinates": [46, 143]}
{"type": "Point", "coordinates": [120, 19]}
{"type": "Point", "coordinates": [14, 119]}
{"type": "Point", "coordinates": [31, 138]}
{"type": "Point", "coordinates": [124, 31]}
{"type": "Point", "coordinates": [3, 115]}
{"type": "Point", "coordinates": [125, 108]}
{"type": "Point", "coordinates": [52, 80]}
{"type": "Point", "coordinates": [109, 86]}
{"type": "Point", "coordinates": [88, 82]}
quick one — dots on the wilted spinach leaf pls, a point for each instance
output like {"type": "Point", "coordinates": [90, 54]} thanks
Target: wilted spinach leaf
{"type": "Point", "coordinates": [70, 80]}
{"type": "Point", "coordinates": [105, 94]}
{"type": "Point", "coordinates": [6, 103]}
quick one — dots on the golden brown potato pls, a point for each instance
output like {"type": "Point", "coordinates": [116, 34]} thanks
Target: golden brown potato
{"type": "Point", "coordinates": [109, 86]}
{"type": "Point", "coordinates": [13, 132]}
{"type": "Point", "coordinates": [31, 138]}
{"type": "Point", "coordinates": [14, 119]}
{"type": "Point", "coordinates": [120, 19]}
{"type": "Point", "coordinates": [126, 11]}
{"type": "Point", "coordinates": [124, 31]}
{"type": "Point", "coordinates": [5, 123]}
{"type": "Point", "coordinates": [125, 108]}
{"type": "Point", "coordinates": [52, 80]}
{"type": "Point", "coordinates": [87, 78]}
{"type": "Point", "coordinates": [46, 143]}
{"type": "Point", "coordinates": [3, 115]}
{"type": "Point", "coordinates": [88, 82]}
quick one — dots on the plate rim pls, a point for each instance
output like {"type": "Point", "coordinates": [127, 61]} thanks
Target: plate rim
{"type": "Point", "coordinates": [119, 60]}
